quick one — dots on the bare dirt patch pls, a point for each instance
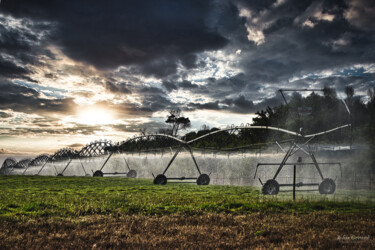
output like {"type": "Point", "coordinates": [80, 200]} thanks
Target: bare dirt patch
{"type": "Point", "coordinates": [256, 230]}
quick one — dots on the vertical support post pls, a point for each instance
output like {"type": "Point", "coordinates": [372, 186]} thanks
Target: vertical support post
{"type": "Point", "coordinates": [294, 182]}
{"type": "Point", "coordinates": [287, 155]}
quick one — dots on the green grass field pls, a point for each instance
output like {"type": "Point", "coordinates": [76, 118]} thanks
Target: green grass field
{"type": "Point", "coordinates": [40, 209]}
{"type": "Point", "coordinates": [37, 196]}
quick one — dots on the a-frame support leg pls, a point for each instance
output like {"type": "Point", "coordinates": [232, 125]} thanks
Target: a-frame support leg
{"type": "Point", "coordinates": [67, 165]}
{"type": "Point", "coordinates": [286, 157]}
{"type": "Point", "coordinates": [195, 162]}
{"type": "Point", "coordinates": [109, 156]}
{"type": "Point", "coordinates": [315, 162]}
{"type": "Point", "coordinates": [40, 170]}
{"type": "Point", "coordinates": [173, 158]}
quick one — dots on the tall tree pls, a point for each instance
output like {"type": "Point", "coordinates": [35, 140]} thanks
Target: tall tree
{"type": "Point", "coordinates": [178, 121]}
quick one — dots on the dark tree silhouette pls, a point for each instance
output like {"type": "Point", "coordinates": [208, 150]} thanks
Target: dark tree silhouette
{"type": "Point", "coordinates": [178, 121]}
{"type": "Point", "coordinates": [349, 91]}
{"type": "Point", "coordinates": [329, 92]}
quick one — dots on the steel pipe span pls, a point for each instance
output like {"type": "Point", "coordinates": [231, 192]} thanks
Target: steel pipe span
{"type": "Point", "coordinates": [100, 147]}
{"type": "Point", "coordinates": [244, 127]}
{"type": "Point", "coordinates": [96, 148]}
{"type": "Point", "coordinates": [328, 131]}
{"type": "Point", "coordinates": [151, 135]}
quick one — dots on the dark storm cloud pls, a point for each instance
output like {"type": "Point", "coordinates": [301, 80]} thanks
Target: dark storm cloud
{"type": "Point", "coordinates": [153, 103]}
{"type": "Point", "coordinates": [154, 38]}
{"type": "Point", "coordinates": [13, 41]}
{"type": "Point", "coordinates": [143, 33]}
{"type": "Point", "coordinates": [237, 105]}
{"type": "Point", "coordinates": [19, 46]}
{"type": "Point", "coordinates": [188, 85]}
{"type": "Point", "coordinates": [240, 104]}
{"type": "Point", "coordinates": [27, 100]}
{"type": "Point", "coordinates": [207, 105]}
{"type": "Point", "coordinates": [117, 88]}
{"type": "Point", "coordinates": [169, 86]}
{"type": "Point", "coordinates": [9, 69]}
{"type": "Point", "coordinates": [292, 48]}
{"type": "Point", "coordinates": [256, 5]}
{"type": "Point", "coordinates": [150, 98]}
{"type": "Point", "coordinates": [361, 13]}
{"type": "Point", "coordinates": [222, 88]}
{"type": "Point", "coordinates": [359, 81]}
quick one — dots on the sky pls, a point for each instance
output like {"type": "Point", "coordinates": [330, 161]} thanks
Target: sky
{"type": "Point", "coordinates": [72, 72]}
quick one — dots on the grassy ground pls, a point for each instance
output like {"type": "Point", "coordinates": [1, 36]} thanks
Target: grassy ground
{"type": "Point", "coordinates": [68, 212]}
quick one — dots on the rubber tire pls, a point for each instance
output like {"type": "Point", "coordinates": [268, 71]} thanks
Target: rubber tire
{"type": "Point", "coordinates": [271, 187]}
{"type": "Point", "coordinates": [203, 179]}
{"type": "Point", "coordinates": [60, 174]}
{"type": "Point", "coordinates": [132, 174]}
{"type": "Point", "coordinates": [98, 173]}
{"type": "Point", "coordinates": [160, 180]}
{"type": "Point", "coordinates": [327, 186]}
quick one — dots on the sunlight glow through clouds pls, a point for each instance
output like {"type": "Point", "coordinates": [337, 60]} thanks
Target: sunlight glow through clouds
{"type": "Point", "coordinates": [92, 115]}
{"type": "Point", "coordinates": [218, 60]}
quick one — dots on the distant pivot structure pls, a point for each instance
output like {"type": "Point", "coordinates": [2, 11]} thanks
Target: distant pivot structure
{"type": "Point", "coordinates": [8, 163]}
{"type": "Point", "coordinates": [93, 149]}
{"type": "Point", "coordinates": [100, 148]}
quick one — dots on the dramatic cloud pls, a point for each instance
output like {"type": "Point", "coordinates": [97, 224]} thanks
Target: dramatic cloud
{"type": "Point", "coordinates": [27, 100]}
{"type": "Point", "coordinates": [153, 35]}
{"type": "Point", "coordinates": [91, 69]}
{"type": "Point", "coordinates": [361, 13]}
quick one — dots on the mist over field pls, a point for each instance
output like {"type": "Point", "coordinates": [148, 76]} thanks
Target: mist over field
{"type": "Point", "coordinates": [224, 168]}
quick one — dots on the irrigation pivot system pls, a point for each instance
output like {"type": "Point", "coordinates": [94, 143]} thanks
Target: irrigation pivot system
{"type": "Point", "coordinates": [301, 144]}
{"type": "Point", "coordinates": [214, 140]}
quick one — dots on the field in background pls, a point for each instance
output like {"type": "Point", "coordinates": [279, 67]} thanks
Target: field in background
{"type": "Point", "coordinates": [37, 211]}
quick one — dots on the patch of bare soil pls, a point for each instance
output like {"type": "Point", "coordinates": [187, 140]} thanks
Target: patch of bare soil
{"type": "Point", "coordinates": [257, 230]}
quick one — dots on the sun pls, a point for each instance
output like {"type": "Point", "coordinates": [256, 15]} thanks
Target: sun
{"type": "Point", "coordinates": [95, 116]}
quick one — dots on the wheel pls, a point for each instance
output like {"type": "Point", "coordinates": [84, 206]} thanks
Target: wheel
{"type": "Point", "coordinates": [270, 187]}
{"type": "Point", "coordinates": [327, 186]}
{"type": "Point", "coordinates": [60, 174]}
{"type": "Point", "coordinates": [203, 179]}
{"type": "Point", "coordinates": [160, 180]}
{"type": "Point", "coordinates": [98, 173]}
{"type": "Point", "coordinates": [131, 174]}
